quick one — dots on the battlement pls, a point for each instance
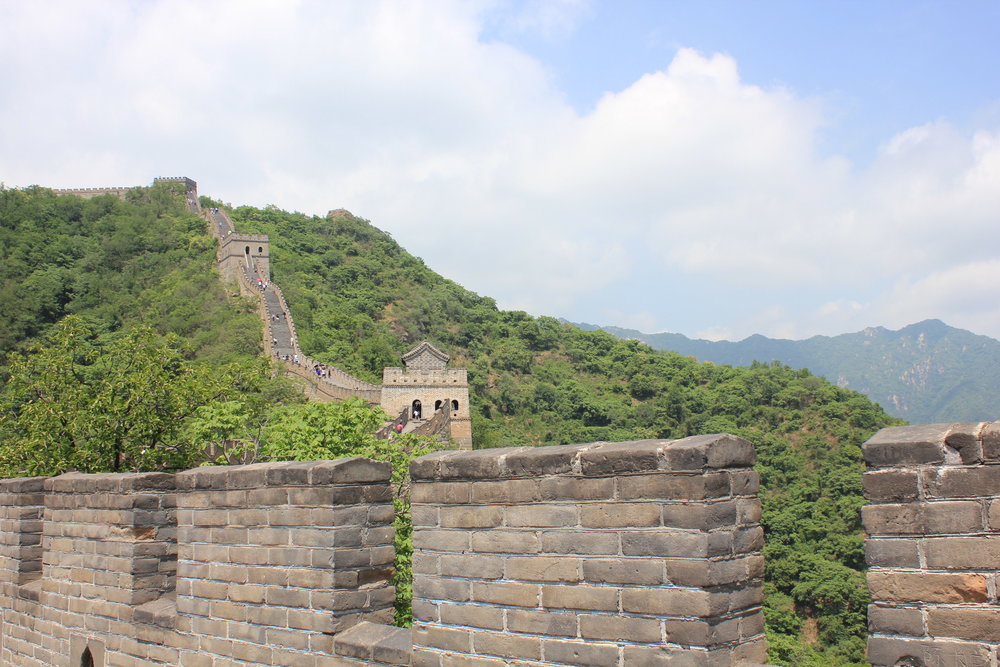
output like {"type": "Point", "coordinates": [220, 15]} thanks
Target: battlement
{"type": "Point", "coordinates": [520, 554]}
{"type": "Point", "coordinates": [88, 193]}
{"type": "Point", "coordinates": [933, 548]}
{"type": "Point", "coordinates": [395, 375]}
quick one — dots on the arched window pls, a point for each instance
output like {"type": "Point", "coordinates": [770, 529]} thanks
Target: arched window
{"type": "Point", "coordinates": [415, 410]}
{"type": "Point", "coordinates": [260, 251]}
{"type": "Point", "coordinates": [87, 659]}
{"type": "Point", "coordinates": [454, 406]}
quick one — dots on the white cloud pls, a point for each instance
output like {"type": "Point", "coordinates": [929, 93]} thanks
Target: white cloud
{"type": "Point", "coordinates": [468, 153]}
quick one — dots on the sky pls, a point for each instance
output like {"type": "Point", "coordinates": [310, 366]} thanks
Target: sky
{"type": "Point", "coordinates": [711, 168]}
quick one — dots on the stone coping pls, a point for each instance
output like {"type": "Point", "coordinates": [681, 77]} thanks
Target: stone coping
{"type": "Point", "coordinates": [693, 454]}
{"type": "Point", "coordinates": [356, 470]}
{"type": "Point", "coordinates": [934, 444]}
{"type": "Point", "coordinates": [379, 644]}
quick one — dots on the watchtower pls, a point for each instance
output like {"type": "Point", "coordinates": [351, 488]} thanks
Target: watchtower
{"type": "Point", "coordinates": [249, 252]}
{"type": "Point", "coordinates": [425, 386]}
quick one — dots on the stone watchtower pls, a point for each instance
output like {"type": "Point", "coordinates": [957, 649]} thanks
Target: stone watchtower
{"type": "Point", "coordinates": [425, 386]}
{"type": "Point", "coordinates": [245, 251]}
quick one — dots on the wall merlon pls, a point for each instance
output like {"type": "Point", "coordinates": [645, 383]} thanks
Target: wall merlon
{"type": "Point", "coordinates": [934, 544]}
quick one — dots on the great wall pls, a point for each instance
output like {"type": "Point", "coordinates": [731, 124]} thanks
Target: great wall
{"type": "Point", "coordinates": [633, 553]}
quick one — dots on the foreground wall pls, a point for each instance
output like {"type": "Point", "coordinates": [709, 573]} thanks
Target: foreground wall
{"type": "Point", "coordinates": [635, 553]}
{"type": "Point", "coordinates": [934, 545]}
{"type": "Point", "coordinates": [259, 564]}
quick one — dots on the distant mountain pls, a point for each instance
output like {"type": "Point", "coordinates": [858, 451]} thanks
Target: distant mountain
{"type": "Point", "coordinates": [925, 373]}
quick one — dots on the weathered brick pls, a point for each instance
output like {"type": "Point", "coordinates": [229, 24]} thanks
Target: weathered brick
{"type": "Point", "coordinates": [507, 645]}
{"type": "Point", "coordinates": [677, 486]}
{"type": "Point", "coordinates": [541, 516]}
{"type": "Point", "coordinates": [895, 620]}
{"type": "Point", "coordinates": [892, 552]}
{"type": "Point", "coordinates": [964, 438]}
{"type": "Point", "coordinates": [505, 541]}
{"type": "Point", "coordinates": [579, 542]}
{"type": "Point", "coordinates": [449, 639]}
{"type": "Point", "coordinates": [665, 543]}
{"type": "Point", "coordinates": [927, 587]}
{"type": "Point", "coordinates": [892, 651]}
{"type": "Point", "coordinates": [963, 553]}
{"type": "Point", "coordinates": [471, 566]}
{"type": "Point", "coordinates": [441, 540]}
{"type": "Point", "coordinates": [631, 629]}
{"type": "Point", "coordinates": [509, 491]}
{"type": "Point", "coordinates": [994, 515]}
{"type": "Point", "coordinates": [701, 516]}
{"type": "Point", "coordinates": [580, 653]}
{"type": "Point", "coordinates": [543, 569]}
{"type": "Point", "coordinates": [890, 485]}
{"type": "Point", "coordinates": [448, 493]}
{"type": "Point", "coordinates": [538, 461]}
{"type": "Point", "coordinates": [577, 488]}
{"type": "Point", "coordinates": [437, 588]}
{"type": "Point", "coordinates": [950, 482]}
{"type": "Point", "coordinates": [990, 438]}
{"type": "Point", "coordinates": [906, 445]}
{"type": "Point", "coordinates": [511, 594]}
{"type": "Point", "coordinates": [667, 601]}
{"type": "Point", "coordinates": [592, 598]}
{"type": "Point", "coordinates": [621, 457]}
{"type": "Point", "coordinates": [623, 571]}
{"type": "Point", "coordinates": [471, 517]}
{"type": "Point", "coordinates": [619, 515]}
{"type": "Point", "coordinates": [544, 622]}
{"type": "Point", "coordinates": [473, 615]}
{"type": "Point", "coordinates": [964, 623]}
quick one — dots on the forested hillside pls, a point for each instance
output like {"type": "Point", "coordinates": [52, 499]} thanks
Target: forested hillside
{"type": "Point", "coordinates": [359, 301]}
{"type": "Point", "coordinates": [925, 373]}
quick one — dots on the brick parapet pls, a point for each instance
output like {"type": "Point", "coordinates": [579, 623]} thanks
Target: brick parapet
{"type": "Point", "coordinates": [258, 564]}
{"type": "Point", "coordinates": [612, 554]}
{"type": "Point", "coordinates": [933, 547]}
{"type": "Point", "coordinates": [277, 558]}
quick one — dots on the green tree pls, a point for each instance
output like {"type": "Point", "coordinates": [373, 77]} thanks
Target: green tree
{"type": "Point", "coordinates": [97, 404]}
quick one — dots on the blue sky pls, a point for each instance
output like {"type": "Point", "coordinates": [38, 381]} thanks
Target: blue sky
{"type": "Point", "coordinates": [716, 169]}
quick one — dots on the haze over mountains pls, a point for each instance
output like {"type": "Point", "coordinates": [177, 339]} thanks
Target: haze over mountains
{"type": "Point", "coordinates": [925, 373]}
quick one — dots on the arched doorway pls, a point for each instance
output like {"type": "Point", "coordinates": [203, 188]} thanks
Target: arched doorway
{"type": "Point", "coordinates": [415, 409]}
{"type": "Point", "coordinates": [87, 659]}
{"type": "Point", "coordinates": [454, 405]}
{"type": "Point", "coordinates": [437, 405]}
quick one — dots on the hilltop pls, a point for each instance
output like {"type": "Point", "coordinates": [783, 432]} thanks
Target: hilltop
{"type": "Point", "coordinates": [925, 373]}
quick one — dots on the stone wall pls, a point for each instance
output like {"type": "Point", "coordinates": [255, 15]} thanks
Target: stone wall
{"type": "Point", "coordinates": [259, 564]}
{"type": "Point", "coordinates": [234, 249]}
{"type": "Point", "coordinates": [934, 545]}
{"type": "Point", "coordinates": [636, 553]}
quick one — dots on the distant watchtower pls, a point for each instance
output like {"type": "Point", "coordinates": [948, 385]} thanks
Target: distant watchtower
{"type": "Point", "coordinates": [425, 386]}
{"type": "Point", "coordinates": [249, 252]}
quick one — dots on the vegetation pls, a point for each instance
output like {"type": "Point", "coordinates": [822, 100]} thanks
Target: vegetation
{"type": "Point", "coordinates": [135, 271]}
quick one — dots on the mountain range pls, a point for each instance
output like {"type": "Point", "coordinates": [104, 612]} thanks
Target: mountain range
{"type": "Point", "coordinates": [925, 373]}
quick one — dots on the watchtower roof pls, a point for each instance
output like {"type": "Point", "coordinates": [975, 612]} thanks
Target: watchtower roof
{"type": "Point", "coordinates": [425, 357]}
